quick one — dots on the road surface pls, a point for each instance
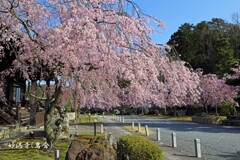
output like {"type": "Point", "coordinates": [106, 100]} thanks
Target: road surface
{"type": "Point", "coordinates": [217, 142]}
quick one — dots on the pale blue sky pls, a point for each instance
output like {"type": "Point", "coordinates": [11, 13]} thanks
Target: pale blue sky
{"type": "Point", "coordinates": [176, 12]}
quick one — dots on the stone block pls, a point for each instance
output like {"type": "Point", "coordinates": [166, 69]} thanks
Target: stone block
{"type": "Point", "coordinates": [238, 155]}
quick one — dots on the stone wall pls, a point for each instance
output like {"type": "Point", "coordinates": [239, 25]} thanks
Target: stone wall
{"type": "Point", "coordinates": [207, 120]}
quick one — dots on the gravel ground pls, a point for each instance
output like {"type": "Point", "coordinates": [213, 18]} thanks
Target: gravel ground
{"type": "Point", "coordinates": [217, 142]}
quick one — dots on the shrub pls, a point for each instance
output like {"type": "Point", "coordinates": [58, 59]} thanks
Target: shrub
{"type": "Point", "coordinates": [226, 109]}
{"type": "Point", "coordinates": [68, 106]}
{"type": "Point", "coordinates": [156, 112]}
{"type": "Point", "coordinates": [146, 111]}
{"type": "Point", "coordinates": [191, 110]}
{"type": "Point", "coordinates": [137, 147]}
{"type": "Point", "coordinates": [172, 113]}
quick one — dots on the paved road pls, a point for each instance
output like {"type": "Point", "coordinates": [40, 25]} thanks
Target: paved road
{"type": "Point", "coordinates": [117, 130]}
{"type": "Point", "coordinates": [217, 142]}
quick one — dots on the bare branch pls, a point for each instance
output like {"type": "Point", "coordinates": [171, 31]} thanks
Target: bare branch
{"type": "Point", "coordinates": [32, 95]}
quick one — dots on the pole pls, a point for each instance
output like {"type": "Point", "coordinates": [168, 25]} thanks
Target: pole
{"type": "Point", "coordinates": [158, 135]}
{"type": "Point", "coordinates": [105, 133]}
{"type": "Point", "coordinates": [139, 127]}
{"type": "Point", "coordinates": [174, 140]}
{"type": "Point", "coordinates": [132, 125]}
{"type": "Point", "coordinates": [110, 138]}
{"type": "Point", "coordinates": [57, 154]}
{"type": "Point", "coordinates": [101, 129]}
{"type": "Point", "coordinates": [146, 130]}
{"type": "Point", "coordinates": [197, 148]}
{"type": "Point", "coordinates": [95, 128]}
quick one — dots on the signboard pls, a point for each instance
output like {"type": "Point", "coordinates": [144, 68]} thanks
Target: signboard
{"type": "Point", "coordinates": [71, 115]}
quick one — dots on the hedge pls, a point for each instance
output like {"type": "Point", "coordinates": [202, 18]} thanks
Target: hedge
{"type": "Point", "coordinates": [138, 148]}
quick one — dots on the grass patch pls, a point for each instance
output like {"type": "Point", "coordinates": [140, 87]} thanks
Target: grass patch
{"type": "Point", "coordinates": [180, 118]}
{"type": "Point", "coordinates": [63, 146]}
{"type": "Point", "coordinates": [87, 137]}
{"type": "Point", "coordinates": [210, 119]}
{"type": "Point", "coordinates": [142, 131]}
{"type": "Point", "coordinates": [26, 154]}
{"type": "Point", "coordinates": [218, 117]}
{"type": "Point", "coordinates": [23, 153]}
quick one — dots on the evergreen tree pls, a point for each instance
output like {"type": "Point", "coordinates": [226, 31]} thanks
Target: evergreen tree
{"type": "Point", "coordinates": [212, 46]}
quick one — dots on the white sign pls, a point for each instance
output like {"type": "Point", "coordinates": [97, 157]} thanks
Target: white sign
{"type": "Point", "coordinates": [71, 115]}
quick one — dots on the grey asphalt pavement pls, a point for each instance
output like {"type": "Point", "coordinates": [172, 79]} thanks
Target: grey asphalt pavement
{"type": "Point", "coordinates": [117, 129]}
{"type": "Point", "coordinates": [217, 142]}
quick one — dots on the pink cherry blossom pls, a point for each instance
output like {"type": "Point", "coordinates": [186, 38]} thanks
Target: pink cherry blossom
{"type": "Point", "coordinates": [87, 46]}
{"type": "Point", "coordinates": [215, 91]}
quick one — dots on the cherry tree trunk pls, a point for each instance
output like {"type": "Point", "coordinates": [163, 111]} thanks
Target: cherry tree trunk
{"type": "Point", "coordinates": [206, 107]}
{"type": "Point", "coordinates": [51, 133]}
{"type": "Point", "coordinates": [165, 110]}
{"type": "Point", "coordinates": [49, 123]}
{"type": "Point", "coordinates": [33, 104]}
{"type": "Point", "coordinates": [216, 110]}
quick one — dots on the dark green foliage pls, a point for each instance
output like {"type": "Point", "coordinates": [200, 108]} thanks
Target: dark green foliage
{"type": "Point", "coordinates": [223, 56]}
{"type": "Point", "coordinates": [237, 98]}
{"type": "Point", "coordinates": [233, 82]}
{"type": "Point", "coordinates": [191, 110]}
{"type": "Point", "coordinates": [154, 112]}
{"type": "Point", "coordinates": [226, 109]}
{"type": "Point", "coordinates": [172, 113]}
{"type": "Point", "coordinates": [127, 110]}
{"type": "Point", "coordinates": [68, 106]}
{"type": "Point", "coordinates": [212, 46]}
{"type": "Point", "coordinates": [138, 148]}
{"type": "Point", "coordinates": [146, 111]}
